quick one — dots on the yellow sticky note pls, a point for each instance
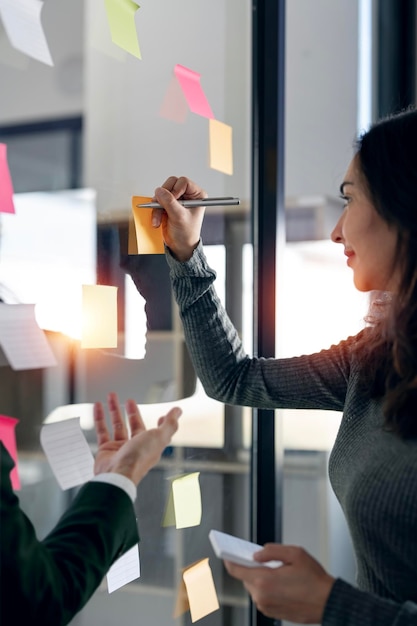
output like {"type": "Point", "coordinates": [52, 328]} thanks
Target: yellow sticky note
{"type": "Point", "coordinates": [183, 508]}
{"type": "Point", "coordinates": [149, 239]}
{"type": "Point", "coordinates": [99, 313]}
{"type": "Point", "coordinates": [201, 592]}
{"type": "Point", "coordinates": [121, 17]}
{"type": "Point", "coordinates": [221, 149]}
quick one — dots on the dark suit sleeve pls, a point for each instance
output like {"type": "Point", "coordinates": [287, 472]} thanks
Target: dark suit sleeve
{"type": "Point", "coordinates": [49, 581]}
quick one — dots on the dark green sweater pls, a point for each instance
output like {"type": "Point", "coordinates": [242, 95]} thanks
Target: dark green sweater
{"type": "Point", "coordinates": [373, 472]}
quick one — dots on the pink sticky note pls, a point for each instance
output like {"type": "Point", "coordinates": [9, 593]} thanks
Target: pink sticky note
{"type": "Point", "coordinates": [174, 105]}
{"type": "Point", "coordinates": [8, 437]}
{"type": "Point", "coordinates": [193, 92]}
{"type": "Point", "coordinates": [6, 186]}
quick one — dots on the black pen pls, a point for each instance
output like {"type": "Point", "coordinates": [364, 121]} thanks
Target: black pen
{"type": "Point", "coordinates": [189, 204]}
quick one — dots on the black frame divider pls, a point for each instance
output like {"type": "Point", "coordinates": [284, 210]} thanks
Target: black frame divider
{"type": "Point", "coordinates": [396, 56]}
{"type": "Point", "coordinates": [268, 231]}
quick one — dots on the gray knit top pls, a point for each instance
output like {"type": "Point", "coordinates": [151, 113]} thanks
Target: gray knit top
{"type": "Point", "coordinates": [373, 472]}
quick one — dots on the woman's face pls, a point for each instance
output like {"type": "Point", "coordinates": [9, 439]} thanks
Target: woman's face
{"type": "Point", "coordinates": [369, 242]}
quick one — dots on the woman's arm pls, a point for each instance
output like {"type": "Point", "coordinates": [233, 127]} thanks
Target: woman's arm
{"type": "Point", "coordinates": [228, 374]}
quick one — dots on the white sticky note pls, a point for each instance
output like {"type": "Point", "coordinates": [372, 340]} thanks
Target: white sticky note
{"type": "Point", "coordinates": [124, 570]}
{"type": "Point", "coordinates": [23, 342]}
{"type": "Point", "coordinates": [22, 23]}
{"type": "Point", "coordinates": [68, 452]}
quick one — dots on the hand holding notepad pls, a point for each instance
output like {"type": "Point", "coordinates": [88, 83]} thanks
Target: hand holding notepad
{"type": "Point", "coordinates": [237, 550]}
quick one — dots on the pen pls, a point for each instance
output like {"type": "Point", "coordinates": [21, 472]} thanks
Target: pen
{"type": "Point", "coordinates": [188, 204]}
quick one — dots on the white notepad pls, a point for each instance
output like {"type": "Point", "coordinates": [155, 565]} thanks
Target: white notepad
{"type": "Point", "coordinates": [237, 550]}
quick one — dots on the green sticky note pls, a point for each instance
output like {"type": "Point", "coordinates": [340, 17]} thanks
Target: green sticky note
{"type": "Point", "coordinates": [121, 16]}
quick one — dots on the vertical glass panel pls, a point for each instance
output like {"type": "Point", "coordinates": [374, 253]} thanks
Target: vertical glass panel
{"type": "Point", "coordinates": [318, 304]}
{"type": "Point", "coordinates": [130, 147]}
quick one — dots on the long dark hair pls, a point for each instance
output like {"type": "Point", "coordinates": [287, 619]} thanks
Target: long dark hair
{"type": "Point", "coordinates": [387, 157]}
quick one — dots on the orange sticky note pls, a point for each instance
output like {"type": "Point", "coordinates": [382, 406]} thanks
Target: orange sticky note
{"type": "Point", "coordinates": [193, 92]}
{"type": "Point", "coordinates": [221, 150]}
{"type": "Point", "coordinates": [201, 592]}
{"type": "Point", "coordinates": [132, 244]}
{"type": "Point", "coordinates": [99, 315]}
{"type": "Point", "coordinates": [6, 185]}
{"type": "Point", "coordinates": [8, 437]}
{"type": "Point", "coordinates": [149, 239]}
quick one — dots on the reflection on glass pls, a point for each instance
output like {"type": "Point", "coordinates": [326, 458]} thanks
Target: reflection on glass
{"type": "Point", "coordinates": [48, 250]}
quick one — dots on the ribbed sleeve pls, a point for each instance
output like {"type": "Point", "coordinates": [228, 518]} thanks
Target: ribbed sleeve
{"type": "Point", "coordinates": [348, 606]}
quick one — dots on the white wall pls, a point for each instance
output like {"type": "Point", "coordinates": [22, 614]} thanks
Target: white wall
{"type": "Point", "coordinates": [321, 93]}
{"type": "Point", "coordinates": [130, 148]}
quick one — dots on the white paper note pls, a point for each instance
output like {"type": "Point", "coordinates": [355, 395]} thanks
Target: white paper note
{"type": "Point", "coordinates": [124, 570]}
{"type": "Point", "coordinates": [22, 23]}
{"type": "Point", "coordinates": [68, 452]}
{"type": "Point", "coordinates": [24, 343]}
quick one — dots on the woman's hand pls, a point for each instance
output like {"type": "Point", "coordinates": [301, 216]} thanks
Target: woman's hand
{"type": "Point", "coordinates": [132, 456]}
{"type": "Point", "coordinates": [297, 591]}
{"type": "Point", "coordinates": [181, 227]}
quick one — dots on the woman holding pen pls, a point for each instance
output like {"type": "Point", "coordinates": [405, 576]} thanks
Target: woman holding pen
{"type": "Point", "coordinates": [371, 377]}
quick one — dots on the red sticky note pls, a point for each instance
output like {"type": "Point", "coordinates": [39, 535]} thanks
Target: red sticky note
{"type": "Point", "coordinates": [6, 185]}
{"type": "Point", "coordinates": [8, 437]}
{"type": "Point", "coordinates": [193, 92]}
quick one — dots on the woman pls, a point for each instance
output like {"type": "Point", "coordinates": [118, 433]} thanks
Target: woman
{"type": "Point", "coordinates": [371, 377]}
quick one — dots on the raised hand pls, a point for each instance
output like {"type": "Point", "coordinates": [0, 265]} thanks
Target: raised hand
{"type": "Point", "coordinates": [181, 227]}
{"type": "Point", "coordinates": [134, 455]}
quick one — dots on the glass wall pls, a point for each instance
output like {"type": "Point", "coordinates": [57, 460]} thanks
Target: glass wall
{"type": "Point", "coordinates": [129, 146]}
{"type": "Point", "coordinates": [126, 145]}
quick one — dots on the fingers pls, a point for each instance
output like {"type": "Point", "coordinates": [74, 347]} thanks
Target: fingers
{"type": "Point", "coordinates": [183, 187]}
{"type": "Point", "coordinates": [174, 189]}
{"type": "Point", "coordinates": [279, 552]}
{"type": "Point", "coordinates": [119, 427]}
{"type": "Point", "coordinates": [169, 423]}
{"type": "Point", "coordinates": [100, 425]}
{"type": "Point", "coordinates": [135, 418]}
{"type": "Point", "coordinates": [170, 183]}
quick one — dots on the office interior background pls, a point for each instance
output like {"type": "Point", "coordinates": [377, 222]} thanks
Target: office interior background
{"type": "Point", "coordinates": [297, 81]}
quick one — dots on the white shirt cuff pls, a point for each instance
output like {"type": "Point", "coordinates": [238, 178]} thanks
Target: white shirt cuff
{"type": "Point", "coordinates": [119, 481]}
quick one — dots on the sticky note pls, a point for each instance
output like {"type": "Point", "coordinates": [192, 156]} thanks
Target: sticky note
{"type": "Point", "coordinates": [68, 452]}
{"type": "Point", "coordinates": [6, 185]}
{"type": "Point", "coordinates": [8, 437]}
{"type": "Point", "coordinates": [220, 147]}
{"type": "Point", "coordinates": [200, 593]}
{"type": "Point", "coordinates": [124, 570]}
{"type": "Point", "coordinates": [121, 17]}
{"type": "Point", "coordinates": [99, 316]}
{"type": "Point", "coordinates": [23, 342]}
{"type": "Point", "coordinates": [149, 239]}
{"type": "Point", "coordinates": [22, 23]}
{"type": "Point", "coordinates": [193, 92]}
{"type": "Point", "coordinates": [132, 244]}
{"type": "Point", "coordinates": [183, 508]}
{"type": "Point", "coordinates": [174, 106]}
